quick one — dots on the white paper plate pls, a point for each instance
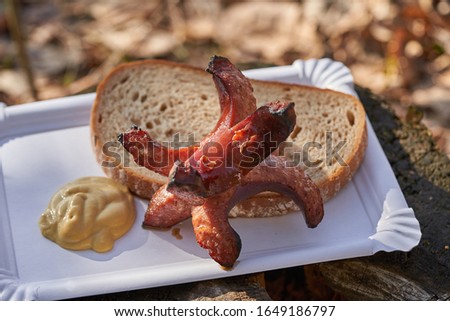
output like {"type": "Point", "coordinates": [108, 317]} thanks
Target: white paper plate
{"type": "Point", "coordinates": [46, 144]}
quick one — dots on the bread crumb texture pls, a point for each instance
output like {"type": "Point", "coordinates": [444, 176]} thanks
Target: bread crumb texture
{"type": "Point", "coordinates": [172, 105]}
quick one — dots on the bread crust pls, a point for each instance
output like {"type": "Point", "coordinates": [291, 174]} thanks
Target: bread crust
{"type": "Point", "coordinates": [144, 183]}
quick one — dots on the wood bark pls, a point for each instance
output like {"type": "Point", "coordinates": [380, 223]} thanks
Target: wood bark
{"type": "Point", "coordinates": [423, 173]}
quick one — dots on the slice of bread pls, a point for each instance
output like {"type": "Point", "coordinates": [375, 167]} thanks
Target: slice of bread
{"type": "Point", "coordinates": [178, 104]}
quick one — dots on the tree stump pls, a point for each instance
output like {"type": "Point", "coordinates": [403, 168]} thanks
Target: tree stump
{"type": "Point", "coordinates": [423, 173]}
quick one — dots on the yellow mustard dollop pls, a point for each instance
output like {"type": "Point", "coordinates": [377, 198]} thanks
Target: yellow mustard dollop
{"type": "Point", "coordinates": [88, 213]}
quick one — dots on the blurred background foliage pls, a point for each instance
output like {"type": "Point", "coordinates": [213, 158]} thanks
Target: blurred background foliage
{"type": "Point", "coordinates": [398, 49]}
